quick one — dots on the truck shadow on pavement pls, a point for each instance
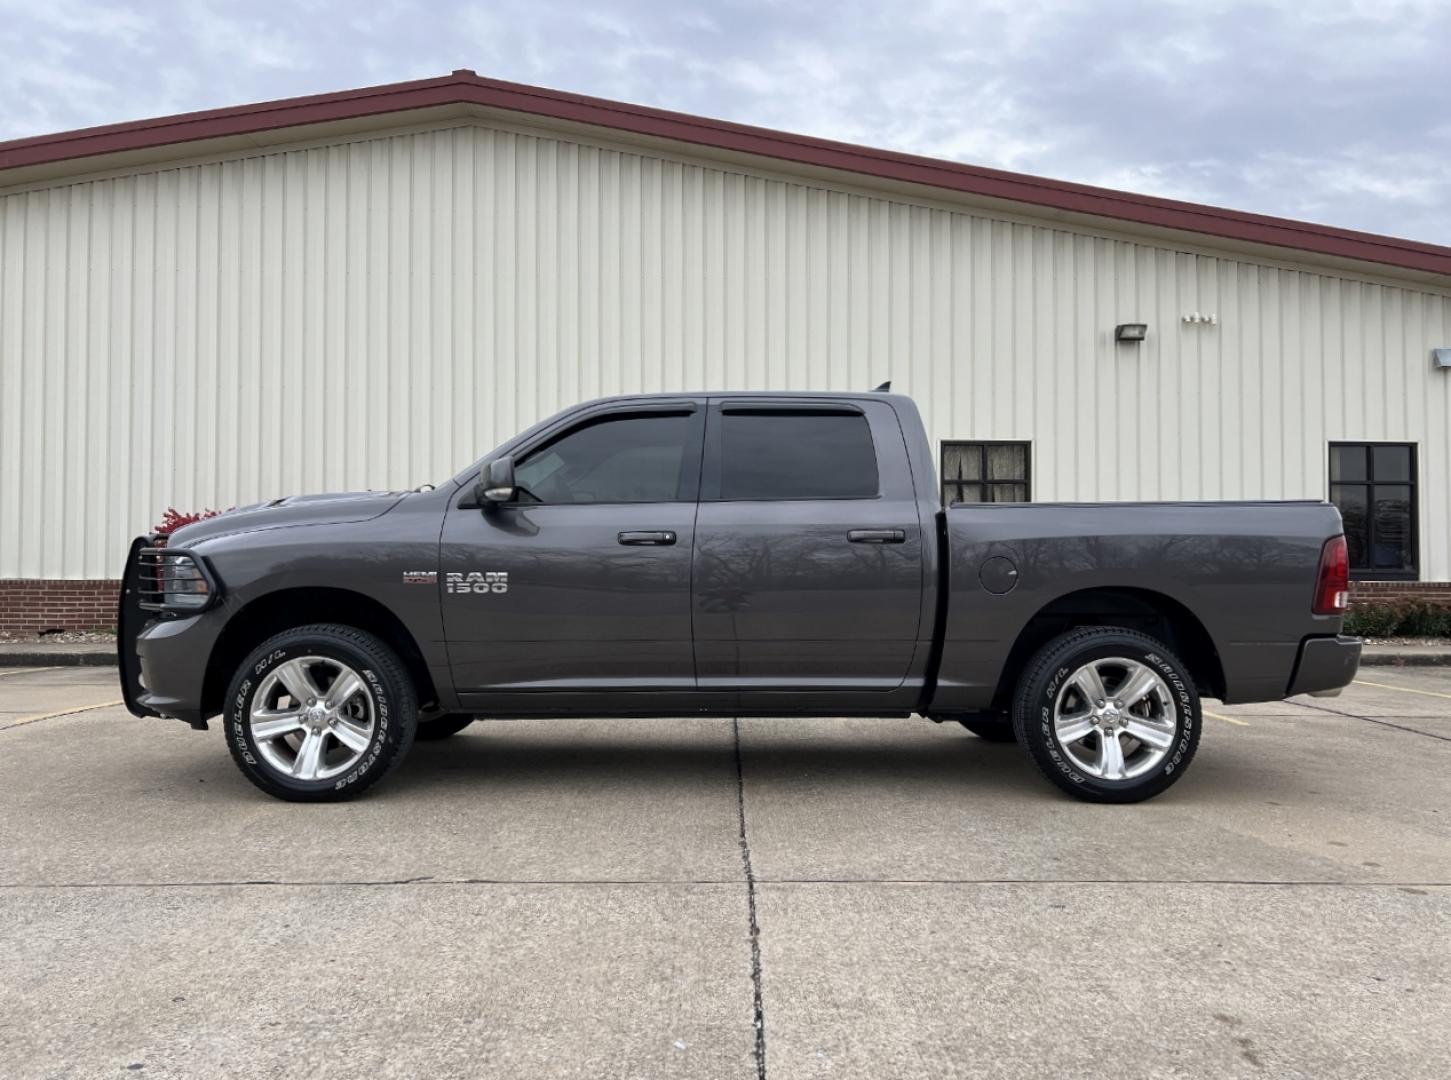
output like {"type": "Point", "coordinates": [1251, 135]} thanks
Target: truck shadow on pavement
{"type": "Point", "coordinates": [935, 764]}
{"type": "Point", "coordinates": [876, 760]}
{"type": "Point", "coordinates": [497, 756]}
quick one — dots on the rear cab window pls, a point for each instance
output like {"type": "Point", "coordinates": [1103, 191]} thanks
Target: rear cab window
{"type": "Point", "coordinates": [793, 453]}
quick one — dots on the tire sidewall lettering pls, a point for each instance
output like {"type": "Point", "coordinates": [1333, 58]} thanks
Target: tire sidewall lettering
{"type": "Point", "coordinates": [1060, 760]}
{"type": "Point", "coordinates": [1181, 692]}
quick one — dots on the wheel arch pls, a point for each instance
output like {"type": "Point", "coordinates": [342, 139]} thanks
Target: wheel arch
{"type": "Point", "coordinates": [1145, 610]}
{"type": "Point", "coordinates": [283, 609]}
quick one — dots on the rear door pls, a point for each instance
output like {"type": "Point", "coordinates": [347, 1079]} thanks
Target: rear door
{"type": "Point", "coordinates": [809, 554]}
{"type": "Point", "coordinates": [580, 587]}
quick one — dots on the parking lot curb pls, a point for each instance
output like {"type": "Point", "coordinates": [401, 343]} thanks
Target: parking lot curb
{"type": "Point", "coordinates": [33, 657]}
{"type": "Point", "coordinates": [1371, 657]}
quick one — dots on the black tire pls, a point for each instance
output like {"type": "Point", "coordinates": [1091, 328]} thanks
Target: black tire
{"type": "Point", "coordinates": [1037, 696]}
{"type": "Point", "coordinates": [994, 727]}
{"type": "Point", "coordinates": [441, 727]}
{"type": "Point", "coordinates": [386, 685]}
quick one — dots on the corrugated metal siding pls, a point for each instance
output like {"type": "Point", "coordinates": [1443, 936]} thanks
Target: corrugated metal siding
{"type": "Point", "coordinates": [379, 313]}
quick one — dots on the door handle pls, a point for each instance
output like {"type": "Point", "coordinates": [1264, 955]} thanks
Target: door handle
{"type": "Point", "coordinates": [877, 536]}
{"type": "Point", "coordinates": [660, 538]}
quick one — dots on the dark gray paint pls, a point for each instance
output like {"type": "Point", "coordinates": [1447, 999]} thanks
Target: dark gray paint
{"type": "Point", "coordinates": [759, 606]}
{"type": "Point", "coordinates": [786, 604]}
{"type": "Point", "coordinates": [1247, 571]}
{"type": "Point", "coordinates": [582, 609]}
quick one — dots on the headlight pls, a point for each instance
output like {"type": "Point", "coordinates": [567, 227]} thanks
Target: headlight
{"type": "Point", "coordinates": [183, 585]}
{"type": "Point", "coordinates": [173, 581]}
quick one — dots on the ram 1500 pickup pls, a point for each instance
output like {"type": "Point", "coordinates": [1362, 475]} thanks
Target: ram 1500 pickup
{"type": "Point", "coordinates": [732, 554]}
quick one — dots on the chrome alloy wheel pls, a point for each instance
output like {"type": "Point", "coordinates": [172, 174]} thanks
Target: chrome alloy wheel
{"type": "Point", "coordinates": [312, 718]}
{"type": "Point", "coordinates": [1115, 718]}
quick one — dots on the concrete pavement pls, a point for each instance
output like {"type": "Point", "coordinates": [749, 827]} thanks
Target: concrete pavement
{"type": "Point", "coordinates": [542, 898]}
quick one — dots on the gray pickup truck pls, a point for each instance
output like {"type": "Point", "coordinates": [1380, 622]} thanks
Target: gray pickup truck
{"type": "Point", "coordinates": [728, 555]}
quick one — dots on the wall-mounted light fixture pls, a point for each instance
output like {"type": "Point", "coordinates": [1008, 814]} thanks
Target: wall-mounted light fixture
{"type": "Point", "coordinates": [1441, 358]}
{"type": "Point", "coordinates": [1132, 332]}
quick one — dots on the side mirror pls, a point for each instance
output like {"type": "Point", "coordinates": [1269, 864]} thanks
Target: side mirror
{"type": "Point", "coordinates": [496, 485]}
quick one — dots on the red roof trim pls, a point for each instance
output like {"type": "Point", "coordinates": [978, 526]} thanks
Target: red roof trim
{"type": "Point", "coordinates": [464, 87]}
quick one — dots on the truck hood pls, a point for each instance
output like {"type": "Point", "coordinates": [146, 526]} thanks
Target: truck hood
{"type": "Point", "coordinates": [293, 510]}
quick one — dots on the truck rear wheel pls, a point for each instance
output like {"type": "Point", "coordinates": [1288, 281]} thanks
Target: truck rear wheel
{"type": "Point", "coordinates": [320, 713]}
{"type": "Point", "coordinates": [1109, 715]}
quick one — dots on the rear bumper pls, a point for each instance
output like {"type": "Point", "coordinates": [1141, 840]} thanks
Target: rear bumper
{"type": "Point", "coordinates": [1326, 665]}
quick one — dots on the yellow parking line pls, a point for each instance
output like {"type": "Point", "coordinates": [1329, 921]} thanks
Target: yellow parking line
{"type": "Point", "coordinates": [52, 715]}
{"type": "Point", "coordinates": [1402, 689]}
{"type": "Point", "coordinates": [1227, 719]}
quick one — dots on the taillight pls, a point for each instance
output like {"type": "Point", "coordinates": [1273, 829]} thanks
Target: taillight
{"type": "Point", "coordinates": [1332, 586]}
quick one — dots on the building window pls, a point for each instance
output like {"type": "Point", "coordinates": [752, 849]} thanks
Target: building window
{"type": "Point", "coordinates": [976, 472]}
{"type": "Point", "coordinates": [1374, 487]}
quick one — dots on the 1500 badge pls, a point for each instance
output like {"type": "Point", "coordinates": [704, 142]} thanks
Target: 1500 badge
{"type": "Point", "coordinates": [496, 581]}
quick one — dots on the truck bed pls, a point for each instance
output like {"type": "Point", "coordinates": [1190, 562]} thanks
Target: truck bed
{"type": "Point", "coordinates": [1242, 572]}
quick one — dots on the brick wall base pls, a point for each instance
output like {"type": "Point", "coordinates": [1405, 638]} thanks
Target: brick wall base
{"type": "Point", "coordinates": [1364, 591]}
{"type": "Point", "coordinates": [28, 606]}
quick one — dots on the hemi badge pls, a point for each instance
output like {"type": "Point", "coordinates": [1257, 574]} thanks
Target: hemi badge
{"type": "Point", "coordinates": [420, 577]}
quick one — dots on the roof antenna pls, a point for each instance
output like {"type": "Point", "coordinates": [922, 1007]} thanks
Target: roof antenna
{"type": "Point", "coordinates": [885, 388]}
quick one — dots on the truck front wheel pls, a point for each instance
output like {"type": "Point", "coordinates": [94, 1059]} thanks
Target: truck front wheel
{"type": "Point", "coordinates": [320, 713]}
{"type": "Point", "coordinates": [1109, 715]}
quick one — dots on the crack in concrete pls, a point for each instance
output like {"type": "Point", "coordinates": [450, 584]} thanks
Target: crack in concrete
{"type": "Point", "coordinates": [26, 720]}
{"type": "Point", "coordinates": [759, 1001]}
{"type": "Point", "coordinates": [278, 883]}
{"type": "Point", "coordinates": [1373, 720]}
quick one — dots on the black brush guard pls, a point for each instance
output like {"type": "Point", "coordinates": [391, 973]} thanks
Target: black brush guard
{"type": "Point", "coordinates": [131, 619]}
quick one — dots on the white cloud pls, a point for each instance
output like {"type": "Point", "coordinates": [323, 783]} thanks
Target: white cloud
{"type": "Point", "coordinates": [1332, 109]}
{"type": "Point", "coordinates": [119, 22]}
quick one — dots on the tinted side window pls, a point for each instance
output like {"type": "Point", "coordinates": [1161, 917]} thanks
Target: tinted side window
{"type": "Point", "coordinates": [796, 455]}
{"type": "Point", "coordinates": [624, 460]}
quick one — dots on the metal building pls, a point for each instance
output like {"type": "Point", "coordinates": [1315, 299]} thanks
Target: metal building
{"type": "Point", "coordinates": [371, 288]}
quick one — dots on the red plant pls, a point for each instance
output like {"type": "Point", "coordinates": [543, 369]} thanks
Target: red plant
{"type": "Point", "coordinates": [174, 519]}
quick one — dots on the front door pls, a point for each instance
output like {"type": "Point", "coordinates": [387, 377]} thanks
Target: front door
{"type": "Point", "coordinates": [808, 556]}
{"type": "Point", "coordinates": [579, 588]}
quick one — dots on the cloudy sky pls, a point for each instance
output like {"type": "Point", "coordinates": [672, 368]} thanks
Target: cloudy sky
{"type": "Point", "coordinates": [1329, 110]}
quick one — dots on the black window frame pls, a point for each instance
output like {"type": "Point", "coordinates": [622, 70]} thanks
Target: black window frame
{"type": "Point", "coordinates": [1369, 484]}
{"type": "Point", "coordinates": [982, 445]}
